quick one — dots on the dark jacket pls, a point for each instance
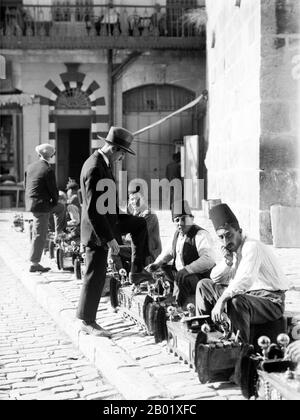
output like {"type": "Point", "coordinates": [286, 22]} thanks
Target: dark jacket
{"type": "Point", "coordinates": [41, 193]}
{"type": "Point", "coordinates": [189, 252]}
{"type": "Point", "coordinates": [97, 226]}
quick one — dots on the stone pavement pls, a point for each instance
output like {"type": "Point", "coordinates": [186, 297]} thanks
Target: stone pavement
{"type": "Point", "coordinates": [38, 362]}
{"type": "Point", "coordinates": [131, 361]}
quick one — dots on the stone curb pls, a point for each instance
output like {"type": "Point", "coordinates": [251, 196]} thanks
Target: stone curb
{"type": "Point", "coordinates": [131, 380]}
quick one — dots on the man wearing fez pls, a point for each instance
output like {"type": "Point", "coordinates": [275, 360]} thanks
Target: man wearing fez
{"type": "Point", "coordinates": [102, 228]}
{"type": "Point", "coordinates": [248, 280]}
{"type": "Point", "coordinates": [41, 196]}
{"type": "Point", "coordinates": [191, 252]}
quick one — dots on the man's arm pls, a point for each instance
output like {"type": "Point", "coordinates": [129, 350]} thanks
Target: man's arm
{"type": "Point", "coordinates": [247, 271]}
{"type": "Point", "coordinates": [52, 187]}
{"type": "Point", "coordinates": [153, 230]}
{"type": "Point", "coordinates": [99, 222]}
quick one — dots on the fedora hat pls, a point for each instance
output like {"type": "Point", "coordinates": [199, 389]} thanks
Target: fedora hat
{"type": "Point", "coordinates": [119, 137]}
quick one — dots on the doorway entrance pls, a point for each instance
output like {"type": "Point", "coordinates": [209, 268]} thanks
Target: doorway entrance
{"type": "Point", "coordinates": [73, 146]}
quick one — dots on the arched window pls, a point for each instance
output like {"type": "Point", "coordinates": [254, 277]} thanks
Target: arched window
{"type": "Point", "coordinates": [73, 98]}
{"type": "Point", "coordinates": [156, 98]}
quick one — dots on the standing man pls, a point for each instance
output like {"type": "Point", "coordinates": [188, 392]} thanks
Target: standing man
{"type": "Point", "coordinates": [248, 281]}
{"type": "Point", "coordinates": [102, 227]}
{"type": "Point", "coordinates": [41, 196]}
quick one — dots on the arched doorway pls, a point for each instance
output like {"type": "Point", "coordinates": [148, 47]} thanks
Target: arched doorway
{"type": "Point", "coordinates": [145, 105]}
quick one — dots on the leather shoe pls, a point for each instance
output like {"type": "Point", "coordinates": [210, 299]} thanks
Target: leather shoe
{"type": "Point", "coordinates": [38, 268]}
{"type": "Point", "coordinates": [94, 329]}
{"type": "Point", "coordinates": [137, 278]}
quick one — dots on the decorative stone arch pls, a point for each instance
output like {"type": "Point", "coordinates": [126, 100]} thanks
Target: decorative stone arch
{"type": "Point", "coordinates": [74, 94]}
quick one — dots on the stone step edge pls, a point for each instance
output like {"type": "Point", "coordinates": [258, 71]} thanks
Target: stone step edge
{"type": "Point", "coordinates": [123, 372]}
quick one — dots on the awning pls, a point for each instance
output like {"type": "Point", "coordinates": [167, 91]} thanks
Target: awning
{"type": "Point", "coordinates": [16, 99]}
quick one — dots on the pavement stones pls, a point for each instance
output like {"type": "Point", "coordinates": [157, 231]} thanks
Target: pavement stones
{"type": "Point", "coordinates": [22, 372]}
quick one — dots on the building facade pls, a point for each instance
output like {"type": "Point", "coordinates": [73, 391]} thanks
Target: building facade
{"type": "Point", "coordinates": [75, 68]}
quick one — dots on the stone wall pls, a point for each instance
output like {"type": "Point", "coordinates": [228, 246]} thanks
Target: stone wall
{"type": "Point", "coordinates": [233, 62]}
{"type": "Point", "coordinates": [280, 109]}
{"type": "Point", "coordinates": [254, 129]}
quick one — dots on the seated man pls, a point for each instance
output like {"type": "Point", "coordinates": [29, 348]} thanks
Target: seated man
{"type": "Point", "coordinates": [248, 279]}
{"type": "Point", "coordinates": [137, 206]}
{"type": "Point", "coordinates": [73, 223]}
{"type": "Point", "coordinates": [191, 251]}
{"type": "Point", "coordinates": [72, 193]}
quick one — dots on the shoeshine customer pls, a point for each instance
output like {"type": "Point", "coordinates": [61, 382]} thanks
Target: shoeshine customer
{"type": "Point", "coordinates": [102, 228]}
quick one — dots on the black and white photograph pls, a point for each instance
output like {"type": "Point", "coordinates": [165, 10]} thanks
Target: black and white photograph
{"type": "Point", "coordinates": [149, 203]}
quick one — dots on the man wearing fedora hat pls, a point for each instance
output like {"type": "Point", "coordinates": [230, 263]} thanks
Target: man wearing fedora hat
{"type": "Point", "coordinates": [102, 228]}
{"type": "Point", "coordinates": [248, 280]}
{"type": "Point", "coordinates": [191, 252]}
{"type": "Point", "coordinates": [41, 196]}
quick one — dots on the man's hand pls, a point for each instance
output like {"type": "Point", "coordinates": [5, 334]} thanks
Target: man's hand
{"type": "Point", "coordinates": [114, 247]}
{"type": "Point", "coordinates": [227, 255]}
{"type": "Point", "coordinates": [217, 311]}
{"type": "Point", "coordinates": [152, 267]}
{"type": "Point", "coordinates": [181, 274]}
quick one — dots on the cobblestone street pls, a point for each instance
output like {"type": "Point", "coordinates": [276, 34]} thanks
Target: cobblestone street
{"type": "Point", "coordinates": [37, 361]}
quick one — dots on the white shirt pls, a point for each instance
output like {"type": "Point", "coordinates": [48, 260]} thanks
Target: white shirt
{"type": "Point", "coordinates": [255, 267]}
{"type": "Point", "coordinates": [204, 245]}
{"type": "Point", "coordinates": [104, 157]}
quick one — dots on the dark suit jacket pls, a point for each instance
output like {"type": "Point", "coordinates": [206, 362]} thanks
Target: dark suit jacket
{"type": "Point", "coordinates": [41, 192]}
{"type": "Point", "coordinates": [97, 226]}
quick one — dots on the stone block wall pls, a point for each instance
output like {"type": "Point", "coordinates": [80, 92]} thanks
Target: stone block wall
{"type": "Point", "coordinates": [233, 63]}
{"type": "Point", "coordinates": [280, 109]}
{"type": "Point", "coordinates": [254, 119]}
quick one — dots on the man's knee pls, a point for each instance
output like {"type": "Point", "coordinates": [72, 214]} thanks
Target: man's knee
{"type": "Point", "coordinates": [237, 304]}
{"type": "Point", "coordinates": [204, 284]}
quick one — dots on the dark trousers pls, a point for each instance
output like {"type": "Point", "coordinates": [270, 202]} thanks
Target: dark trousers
{"type": "Point", "coordinates": [54, 220]}
{"type": "Point", "coordinates": [185, 286]}
{"type": "Point", "coordinates": [58, 218]}
{"type": "Point", "coordinates": [39, 236]}
{"type": "Point", "coordinates": [94, 280]}
{"type": "Point", "coordinates": [137, 227]}
{"type": "Point", "coordinates": [96, 264]}
{"type": "Point", "coordinates": [254, 307]}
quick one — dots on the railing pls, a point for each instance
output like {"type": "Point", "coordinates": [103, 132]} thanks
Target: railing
{"type": "Point", "coordinates": [76, 26]}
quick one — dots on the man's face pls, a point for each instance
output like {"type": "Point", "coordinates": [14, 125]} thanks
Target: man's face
{"type": "Point", "coordinates": [184, 223]}
{"type": "Point", "coordinates": [230, 237]}
{"type": "Point", "coordinates": [136, 200]}
{"type": "Point", "coordinates": [118, 156]}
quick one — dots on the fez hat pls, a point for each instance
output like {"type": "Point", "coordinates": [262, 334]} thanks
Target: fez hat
{"type": "Point", "coordinates": [119, 137]}
{"type": "Point", "coordinates": [45, 150]}
{"type": "Point", "coordinates": [221, 215]}
{"type": "Point", "coordinates": [180, 208]}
